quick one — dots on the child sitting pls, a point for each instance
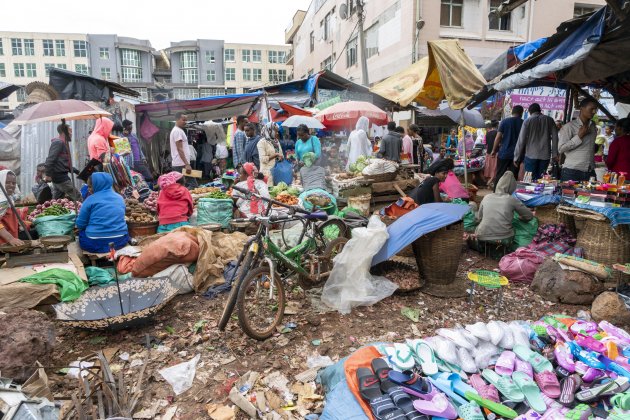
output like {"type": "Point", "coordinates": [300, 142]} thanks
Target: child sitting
{"type": "Point", "coordinates": [174, 203]}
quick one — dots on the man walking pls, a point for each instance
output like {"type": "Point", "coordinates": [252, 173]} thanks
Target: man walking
{"type": "Point", "coordinates": [180, 152]}
{"type": "Point", "coordinates": [577, 142]}
{"type": "Point", "coordinates": [139, 160]}
{"type": "Point", "coordinates": [391, 145]}
{"type": "Point", "coordinates": [537, 142]}
{"type": "Point", "coordinates": [505, 143]}
{"type": "Point", "coordinates": [238, 141]}
{"type": "Point", "coordinates": [57, 166]}
{"type": "Point", "coordinates": [251, 145]}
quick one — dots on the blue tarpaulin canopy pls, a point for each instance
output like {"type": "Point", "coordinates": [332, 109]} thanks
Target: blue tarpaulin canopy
{"type": "Point", "coordinates": [425, 219]}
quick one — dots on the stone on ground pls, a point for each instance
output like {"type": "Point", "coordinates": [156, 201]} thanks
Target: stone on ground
{"type": "Point", "coordinates": [565, 286]}
{"type": "Point", "coordinates": [610, 307]}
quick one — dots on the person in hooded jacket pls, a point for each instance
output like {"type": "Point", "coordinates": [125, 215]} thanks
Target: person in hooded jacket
{"type": "Point", "coordinates": [174, 203]}
{"type": "Point", "coordinates": [101, 219]}
{"type": "Point", "coordinates": [358, 142]}
{"type": "Point", "coordinates": [98, 141]}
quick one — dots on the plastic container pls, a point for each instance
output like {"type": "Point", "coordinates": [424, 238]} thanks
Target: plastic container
{"type": "Point", "coordinates": [361, 203]}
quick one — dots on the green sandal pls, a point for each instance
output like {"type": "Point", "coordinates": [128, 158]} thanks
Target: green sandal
{"type": "Point", "coordinates": [504, 384]}
{"type": "Point", "coordinates": [496, 408]}
{"type": "Point", "coordinates": [621, 401]}
{"type": "Point", "coordinates": [538, 362]}
{"type": "Point", "coordinates": [470, 411]}
{"type": "Point", "coordinates": [580, 412]}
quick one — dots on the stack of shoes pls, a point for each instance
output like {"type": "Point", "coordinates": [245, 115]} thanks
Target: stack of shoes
{"type": "Point", "coordinates": [555, 368]}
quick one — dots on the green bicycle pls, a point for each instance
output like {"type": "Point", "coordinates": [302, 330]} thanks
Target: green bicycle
{"type": "Point", "coordinates": [263, 267]}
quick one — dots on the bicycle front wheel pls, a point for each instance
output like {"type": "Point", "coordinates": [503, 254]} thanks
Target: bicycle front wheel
{"type": "Point", "coordinates": [261, 303]}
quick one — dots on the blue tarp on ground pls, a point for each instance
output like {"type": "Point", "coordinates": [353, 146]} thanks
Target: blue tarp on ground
{"type": "Point", "coordinates": [425, 219]}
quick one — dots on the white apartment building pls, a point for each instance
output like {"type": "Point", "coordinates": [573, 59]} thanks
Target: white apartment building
{"type": "Point", "coordinates": [26, 57]}
{"type": "Point", "coordinates": [397, 31]}
{"type": "Point", "coordinates": [250, 66]}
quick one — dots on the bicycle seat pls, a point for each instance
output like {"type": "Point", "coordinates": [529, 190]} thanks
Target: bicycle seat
{"type": "Point", "coordinates": [317, 215]}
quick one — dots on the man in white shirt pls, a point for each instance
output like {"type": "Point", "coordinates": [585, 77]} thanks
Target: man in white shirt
{"type": "Point", "coordinates": [180, 152]}
{"type": "Point", "coordinates": [577, 141]}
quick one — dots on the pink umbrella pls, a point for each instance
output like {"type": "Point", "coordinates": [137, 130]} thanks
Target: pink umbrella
{"type": "Point", "coordinates": [346, 114]}
{"type": "Point", "coordinates": [66, 109]}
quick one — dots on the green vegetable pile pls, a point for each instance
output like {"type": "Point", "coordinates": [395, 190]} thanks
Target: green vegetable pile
{"type": "Point", "coordinates": [54, 210]}
{"type": "Point", "coordinates": [217, 194]}
{"type": "Point", "coordinates": [283, 187]}
{"type": "Point", "coordinates": [359, 165]}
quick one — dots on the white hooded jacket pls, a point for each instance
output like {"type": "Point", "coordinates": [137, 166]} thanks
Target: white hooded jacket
{"type": "Point", "coordinates": [358, 142]}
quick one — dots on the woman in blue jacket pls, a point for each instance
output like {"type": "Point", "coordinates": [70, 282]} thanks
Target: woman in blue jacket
{"type": "Point", "coordinates": [101, 219]}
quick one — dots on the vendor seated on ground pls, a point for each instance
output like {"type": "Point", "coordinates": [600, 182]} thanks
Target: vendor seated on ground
{"type": "Point", "coordinates": [9, 225]}
{"type": "Point", "coordinates": [101, 219]}
{"type": "Point", "coordinates": [174, 203]}
{"type": "Point", "coordinates": [253, 181]}
{"type": "Point", "coordinates": [496, 212]}
{"type": "Point", "coordinates": [312, 176]}
{"type": "Point", "coordinates": [429, 190]}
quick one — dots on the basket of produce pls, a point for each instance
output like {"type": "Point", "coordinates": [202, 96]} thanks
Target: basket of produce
{"type": "Point", "coordinates": [380, 170]}
{"type": "Point", "coordinates": [150, 203]}
{"type": "Point", "coordinates": [140, 220]}
{"type": "Point", "coordinates": [320, 202]}
{"type": "Point", "coordinates": [282, 187]}
{"type": "Point", "coordinates": [288, 199]}
{"type": "Point", "coordinates": [55, 217]}
{"type": "Point", "coordinates": [142, 229]}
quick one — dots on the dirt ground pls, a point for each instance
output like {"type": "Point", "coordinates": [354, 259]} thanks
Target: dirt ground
{"type": "Point", "coordinates": [179, 333]}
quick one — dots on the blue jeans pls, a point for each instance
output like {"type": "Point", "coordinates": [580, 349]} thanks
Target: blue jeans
{"type": "Point", "coordinates": [101, 246]}
{"type": "Point", "coordinates": [536, 166]}
{"type": "Point", "coordinates": [576, 175]}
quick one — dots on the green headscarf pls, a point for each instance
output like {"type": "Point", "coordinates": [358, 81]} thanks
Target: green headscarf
{"type": "Point", "coordinates": [309, 159]}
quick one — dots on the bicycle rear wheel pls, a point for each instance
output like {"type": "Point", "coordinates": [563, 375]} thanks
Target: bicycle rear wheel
{"type": "Point", "coordinates": [332, 229]}
{"type": "Point", "coordinates": [260, 303]}
{"type": "Point", "coordinates": [243, 269]}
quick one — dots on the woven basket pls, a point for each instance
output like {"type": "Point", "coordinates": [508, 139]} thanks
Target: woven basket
{"type": "Point", "coordinates": [389, 176]}
{"type": "Point", "coordinates": [406, 251]}
{"type": "Point", "coordinates": [437, 254]}
{"type": "Point", "coordinates": [547, 214]}
{"type": "Point", "coordinates": [603, 243]}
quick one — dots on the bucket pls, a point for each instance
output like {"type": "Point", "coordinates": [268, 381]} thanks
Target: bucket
{"type": "Point", "coordinates": [137, 230]}
{"type": "Point", "coordinates": [361, 203]}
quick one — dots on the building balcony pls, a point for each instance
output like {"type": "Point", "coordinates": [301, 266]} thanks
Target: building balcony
{"type": "Point", "coordinates": [294, 25]}
{"type": "Point", "coordinates": [289, 58]}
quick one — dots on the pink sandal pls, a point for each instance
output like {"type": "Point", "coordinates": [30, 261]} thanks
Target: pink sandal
{"type": "Point", "coordinates": [564, 357]}
{"type": "Point", "coordinates": [523, 366]}
{"type": "Point", "coordinates": [548, 383]}
{"type": "Point", "coordinates": [505, 364]}
{"type": "Point", "coordinates": [486, 391]}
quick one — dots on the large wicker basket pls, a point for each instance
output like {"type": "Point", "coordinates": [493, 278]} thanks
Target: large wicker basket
{"type": "Point", "coordinates": [389, 176]}
{"type": "Point", "coordinates": [437, 254]}
{"type": "Point", "coordinates": [547, 214]}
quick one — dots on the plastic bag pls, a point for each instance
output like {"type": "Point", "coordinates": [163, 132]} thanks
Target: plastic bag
{"type": "Point", "coordinates": [215, 210]}
{"type": "Point", "coordinates": [55, 225]}
{"type": "Point", "coordinates": [282, 172]}
{"type": "Point", "coordinates": [523, 231]}
{"type": "Point", "coordinates": [69, 284]}
{"type": "Point", "coordinates": [350, 283]}
{"type": "Point", "coordinates": [181, 376]}
{"type": "Point", "coordinates": [98, 276]}
{"type": "Point", "coordinates": [521, 265]}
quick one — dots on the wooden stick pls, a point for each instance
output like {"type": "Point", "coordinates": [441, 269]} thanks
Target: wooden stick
{"type": "Point", "coordinates": [401, 192]}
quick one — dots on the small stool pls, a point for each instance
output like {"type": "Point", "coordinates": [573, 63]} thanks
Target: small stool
{"type": "Point", "coordinates": [499, 246]}
{"type": "Point", "coordinates": [489, 280]}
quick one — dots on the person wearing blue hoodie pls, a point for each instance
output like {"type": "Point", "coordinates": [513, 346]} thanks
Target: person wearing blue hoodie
{"type": "Point", "coordinates": [101, 219]}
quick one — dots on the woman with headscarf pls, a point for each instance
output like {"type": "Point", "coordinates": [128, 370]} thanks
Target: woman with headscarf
{"type": "Point", "coordinates": [174, 203]}
{"type": "Point", "coordinates": [269, 150]}
{"type": "Point", "coordinates": [249, 179]}
{"type": "Point", "coordinates": [9, 225]}
{"type": "Point", "coordinates": [358, 142]}
{"type": "Point", "coordinates": [469, 142]}
{"type": "Point", "coordinates": [98, 142]}
{"type": "Point", "coordinates": [306, 143]}
{"type": "Point", "coordinates": [429, 190]}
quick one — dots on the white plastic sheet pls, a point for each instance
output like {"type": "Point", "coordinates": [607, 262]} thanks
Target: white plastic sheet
{"type": "Point", "coordinates": [350, 283]}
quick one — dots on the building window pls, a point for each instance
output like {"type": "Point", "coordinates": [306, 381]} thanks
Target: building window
{"type": "Point", "coordinates": [21, 95]}
{"type": "Point", "coordinates": [277, 75]}
{"type": "Point", "coordinates": [1, 48]}
{"type": "Point", "coordinates": [230, 91]}
{"type": "Point", "coordinates": [371, 41]}
{"type": "Point", "coordinates": [106, 73]}
{"type": "Point", "coordinates": [60, 48]}
{"type": "Point", "coordinates": [451, 13]}
{"type": "Point", "coordinates": [210, 57]}
{"type": "Point", "coordinates": [311, 41]}
{"type": "Point", "coordinates": [18, 69]}
{"type": "Point", "coordinates": [189, 73]}
{"type": "Point", "coordinates": [81, 68]}
{"type": "Point", "coordinates": [49, 47]}
{"type": "Point", "coordinates": [351, 52]}
{"type": "Point", "coordinates": [282, 57]}
{"type": "Point", "coordinates": [273, 56]}
{"type": "Point", "coordinates": [247, 74]}
{"type": "Point", "coordinates": [80, 48]}
{"type": "Point", "coordinates": [230, 74]}
{"type": "Point", "coordinates": [31, 70]}
{"type": "Point", "coordinates": [211, 76]}
{"type": "Point", "coordinates": [246, 56]}
{"type": "Point", "coordinates": [144, 93]}
{"type": "Point", "coordinates": [103, 53]}
{"type": "Point", "coordinates": [62, 66]}
{"type": "Point", "coordinates": [257, 56]}
{"type": "Point", "coordinates": [185, 93]}
{"type": "Point", "coordinates": [211, 92]}
{"type": "Point", "coordinates": [257, 75]}
{"type": "Point", "coordinates": [229, 55]}
{"type": "Point", "coordinates": [326, 25]}
{"type": "Point", "coordinates": [47, 67]}
{"type": "Point", "coordinates": [131, 65]}
{"type": "Point", "coordinates": [327, 63]}
{"type": "Point", "coordinates": [504, 23]}
{"type": "Point", "coordinates": [579, 10]}
{"type": "Point", "coordinates": [3, 70]}
{"type": "Point", "coordinates": [16, 46]}
{"type": "Point", "coordinates": [29, 47]}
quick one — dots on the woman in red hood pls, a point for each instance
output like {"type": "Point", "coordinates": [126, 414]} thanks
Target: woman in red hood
{"type": "Point", "coordinates": [174, 204]}
{"type": "Point", "coordinates": [98, 143]}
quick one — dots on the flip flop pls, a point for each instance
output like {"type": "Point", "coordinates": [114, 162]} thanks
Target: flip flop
{"type": "Point", "coordinates": [612, 351]}
{"type": "Point", "coordinates": [412, 384]}
{"type": "Point", "coordinates": [495, 407]}
{"type": "Point", "coordinates": [568, 388]}
{"type": "Point", "coordinates": [531, 391]}
{"type": "Point", "coordinates": [590, 359]}
{"type": "Point", "coordinates": [621, 385]}
{"type": "Point", "coordinates": [612, 366]}
{"type": "Point", "coordinates": [383, 408]}
{"type": "Point", "coordinates": [564, 358]}
{"type": "Point", "coordinates": [592, 374]}
{"type": "Point", "coordinates": [589, 395]}
{"type": "Point", "coordinates": [505, 364]}
{"type": "Point", "coordinates": [381, 405]}
{"type": "Point", "coordinates": [452, 385]}
{"type": "Point", "coordinates": [583, 327]}
{"type": "Point", "coordinates": [504, 384]}
{"type": "Point", "coordinates": [590, 343]}
{"type": "Point", "coordinates": [621, 401]}
{"type": "Point", "coordinates": [424, 356]}
{"type": "Point", "coordinates": [522, 366]}
{"type": "Point", "coordinates": [486, 391]}
{"type": "Point", "coordinates": [548, 383]}
{"type": "Point", "coordinates": [538, 362]}
{"type": "Point", "coordinates": [400, 355]}
{"type": "Point", "coordinates": [580, 412]}
{"type": "Point", "coordinates": [562, 372]}
{"type": "Point", "coordinates": [438, 406]}
{"type": "Point", "coordinates": [615, 331]}
{"type": "Point", "coordinates": [402, 400]}
{"type": "Point", "coordinates": [381, 370]}
{"type": "Point", "coordinates": [470, 411]}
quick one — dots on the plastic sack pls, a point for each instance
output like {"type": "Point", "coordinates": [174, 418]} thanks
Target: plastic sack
{"type": "Point", "coordinates": [521, 265]}
{"type": "Point", "coordinates": [98, 276]}
{"type": "Point", "coordinates": [69, 284]}
{"type": "Point", "coordinates": [282, 172]}
{"type": "Point", "coordinates": [215, 210]}
{"type": "Point", "coordinates": [55, 225]}
{"type": "Point", "coordinates": [523, 231]}
{"type": "Point", "coordinates": [181, 376]}
{"type": "Point", "coordinates": [380, 166]}
{"type": "Point", "coordinates": [452, 187]}
{"type": "Point", "coordinates": [350, 283]}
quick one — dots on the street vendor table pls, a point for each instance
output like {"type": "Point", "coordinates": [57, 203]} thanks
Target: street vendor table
{"type": "Point", "coordinates": [474, 165]}
{"type": "Point", "coordinates": [537, 200]}
{"type": "Point", "coordinates": [616, 215]}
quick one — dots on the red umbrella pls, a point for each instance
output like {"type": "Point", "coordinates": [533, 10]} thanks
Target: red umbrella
{"type": "Point", "coordinates": [346, 114]}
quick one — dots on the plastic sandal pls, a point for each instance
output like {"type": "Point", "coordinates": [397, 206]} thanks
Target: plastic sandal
{"type": "Point", "coordinates": [452, 385]}
{"type": "Point", "coordinates": [595, 393]}
{"type": "Point", "coordinates": [584, 327]}
{"type": "Point", "coordinates": [445, 386]}
{"type": "Point", "coordinates": [369, 385]}
{"type": "Point", "coordinates": [590, 359]}
{"type": "Point", "coordinates": [615, 331]}
{"type": "Point", "coordinates": [383, 408]}
{"type": "Point", "coordinates": [381, 370]}
{"type": "Point", "coordinates": [580, 412]}
{"type": "Point", "coordinates": [505, 364]}
{"type": "Point", "coordinates": [456, 337]}
{"type": "Point", "coordinates": [400, 356]}
{"type": "Point", "coordinates": [590, 343]}
{"type": "Point", "coordinates": [424, 356]}
{"type": "Point", "coordinates": [612, 351]}
{"type": "Point", "coordinates": [568, 388]}
{"type": "Point", "coordinates": [412, 384]}
{"type": "Point", "coordinates": [564, 358]}
{"type": "Point", "coordinates": [538, 362]}
{"type": "Point", "coordinates": [466, 362]}
{"type": "Point", "coordinates": [402, 400]}
{"type": "Point", "coordinates": [522, 366]}
{"type": "Point", "coordinates": [548, 383]}
{"type": "Point", "coordinates": [621, 401]}
{"type": "Point", "coordinates": [529, 415]}
{"type": "Point", "coordinates": [621, 386]}
{"type": "Point", "coordinates": [439, 406]}
{"type": "Point", "coordinates": [613, 366]}
{"type": "Point", "coordinates": [486, 391]}
{"type": "Point", "coordinates": [497, 408]}
{"type": "Point", "coordinates": [470, 411]}
{"type": "Point", "coordinates": [530, 390]}
{"type": "Point", "coordinates": [504, 384]}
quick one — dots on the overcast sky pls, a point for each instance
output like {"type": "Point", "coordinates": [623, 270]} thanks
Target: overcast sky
{"type": "Point", "coordinates": [160, 21]}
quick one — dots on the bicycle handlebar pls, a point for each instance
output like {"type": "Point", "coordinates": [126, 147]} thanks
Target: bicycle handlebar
{"type": "Point", "coordinates": [247, 193]}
